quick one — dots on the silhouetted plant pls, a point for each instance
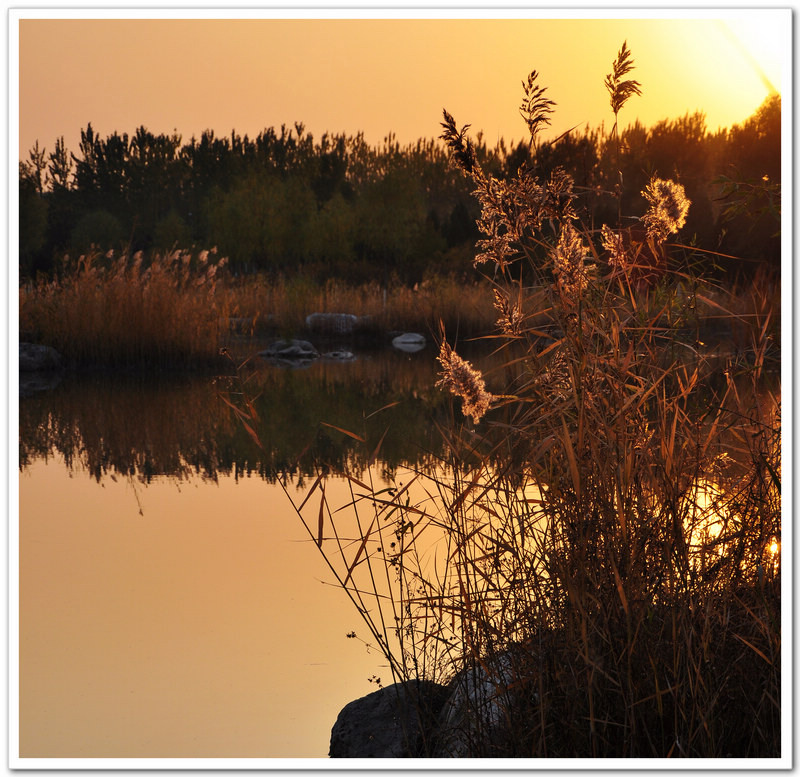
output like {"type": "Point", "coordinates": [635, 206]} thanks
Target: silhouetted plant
{"type": "Point", "coordinates": [601, 546]}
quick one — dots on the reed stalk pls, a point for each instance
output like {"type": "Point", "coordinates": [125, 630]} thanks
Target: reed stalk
{"type": "Point", "coordinates": [601, 542]}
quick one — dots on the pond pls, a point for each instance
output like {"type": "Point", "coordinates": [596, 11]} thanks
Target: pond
{"type": "Point", "coordinates": [171, 603]}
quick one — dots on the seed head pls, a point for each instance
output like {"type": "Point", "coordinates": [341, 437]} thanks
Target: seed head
{"type": "Point", "coordinates": [569, 265]}
{"type": "Point", "coordinates": [668, 208]}
{"type": "Point", "coordinates": [510, 319]}
{"type": "Point", "coordinates": [463, 380]}
{"type": "Point", "coordinates": [461, 148]}
{"type": "Point", "coordinates": [535, 108]}
{"type": "Point", "coordinates": [619, 90]}
{"type": "Point", "coordinates": [613, 243]}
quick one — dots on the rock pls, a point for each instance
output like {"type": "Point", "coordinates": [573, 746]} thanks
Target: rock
{"type": "Point", "coordinates": [477, 710]}
{"type": "Point", "coordinates": [409, 342]}
{"type": "Point", "coordinates": [472, 716]}
{"type": "Point", "coordinates": [33, 382]}
{"type": "Point", "coordinates": [393, 722]}
{"type": "Point", "coordinates": [38, 357]}
{"type": "Point", "coordinates": [290, 352]}
{"type": "Point", "coordinates": [332, 323]}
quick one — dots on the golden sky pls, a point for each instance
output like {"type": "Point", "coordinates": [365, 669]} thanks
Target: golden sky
{"type": "Point", "coordinates": [383, 75]}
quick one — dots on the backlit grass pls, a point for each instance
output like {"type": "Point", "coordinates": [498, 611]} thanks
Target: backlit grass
{"type": "Point", "coordinates": [601, 543]}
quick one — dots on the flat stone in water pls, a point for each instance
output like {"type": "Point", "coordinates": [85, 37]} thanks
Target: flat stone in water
{"type": "Point", "coordinates": [332, 323]}
{"type": "Point", "coordinates": [410, 342]}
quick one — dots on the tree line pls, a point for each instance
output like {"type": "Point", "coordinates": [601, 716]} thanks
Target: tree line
{"type": "Point", "coordinates": [285, 202]}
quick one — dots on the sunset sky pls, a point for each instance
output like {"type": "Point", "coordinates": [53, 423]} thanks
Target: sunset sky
{"type": "Point", "coordinates": [381, 75]}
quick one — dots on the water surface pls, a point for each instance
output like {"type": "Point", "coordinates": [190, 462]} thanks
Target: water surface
{"type": "Point", "coordinates": [171, 604]}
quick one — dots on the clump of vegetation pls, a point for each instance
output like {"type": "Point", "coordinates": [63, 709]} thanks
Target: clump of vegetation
{"type": "Point", "coordinates": [602, 543]}
{"type": "Point", "coordinates": [181, 308]}
{"type": "Point", "coordinates": [283, 303]}
{"type": "Point", "coordinates": [125, 311]}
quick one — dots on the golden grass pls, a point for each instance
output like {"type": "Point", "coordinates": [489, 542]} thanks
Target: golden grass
{"type": "Point", "coordinates": [610, 530]}
{"type": "Point", "coordinates": [123, 311]}
{"type": "Point", "coordinates": [602, 541]}
{"type": "Point", "coordinates": [180, 309]}
{"type": "Point", "coordinates": [284, 303]}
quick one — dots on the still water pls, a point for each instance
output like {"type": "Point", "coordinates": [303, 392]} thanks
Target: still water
{"type": "Point", "coordinates": [171, 604]}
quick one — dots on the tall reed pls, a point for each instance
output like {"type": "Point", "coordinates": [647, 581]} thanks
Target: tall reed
{"type": "Point", "coordinates": [128, 311]}
{"type": "Point", "coordinates": [602, 543]}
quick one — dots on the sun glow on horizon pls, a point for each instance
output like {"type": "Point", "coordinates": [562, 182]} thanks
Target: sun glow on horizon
{"type": "Point", "coordinates": [382, 76]}
{"type": "Point", "coordinates": [728, 68]}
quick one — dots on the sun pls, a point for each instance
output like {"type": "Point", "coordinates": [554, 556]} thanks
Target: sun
{"type": "Point", "coordinates": [762, 46]}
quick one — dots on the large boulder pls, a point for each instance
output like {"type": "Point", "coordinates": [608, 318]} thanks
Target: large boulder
{"type": "Point", "coordinates": [33, 358]}
{"type": "Point", "coordinates": [332, 323]}
{"type": "Point", "coordinates": [394, 722]}
{"type": "Point", "coordinates": [475, 718]}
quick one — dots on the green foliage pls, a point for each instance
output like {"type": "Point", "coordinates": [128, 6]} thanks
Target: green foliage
{"type": "Point", "coordinates": [264, 222]}
{"type": "Point", "coordinates": [32, 226]}
{"type": "Point", "coordinates": [98, 230]}
{"type": "Point", "coordinates": [393, 232]}
{"type": "Point", "coordinates": [171, 232]}
{"type": "Point", "coordinates": [748, 187]}
{"type": "Point", "coordinates": [336, 206]}
{"type": "Point", "coordinates": [333, 243]}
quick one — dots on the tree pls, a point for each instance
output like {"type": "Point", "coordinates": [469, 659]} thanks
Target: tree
{"type": "Point", "coordinates": [60, 167]}
{"type": "Point", "coordinates": [32, 224]}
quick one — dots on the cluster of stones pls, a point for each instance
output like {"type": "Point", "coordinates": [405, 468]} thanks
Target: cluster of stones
{"type": "Point", "coordinates": [423, 719]}
{"type": "Point", "coordinates": [301, 353]}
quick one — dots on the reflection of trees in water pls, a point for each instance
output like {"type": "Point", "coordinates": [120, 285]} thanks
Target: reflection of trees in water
{"type": "Point", "coordinates": [180, 427]}
{"type": "Point", "coordinates": [129, 426]}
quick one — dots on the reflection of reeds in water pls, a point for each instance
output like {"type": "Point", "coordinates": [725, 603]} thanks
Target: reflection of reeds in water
{"type": "Point", "coordinates": [178, 427]}
{"type": "Point", "coordinates": [141, 427]}
{"type": "Point", "coordinates": [603, 547]}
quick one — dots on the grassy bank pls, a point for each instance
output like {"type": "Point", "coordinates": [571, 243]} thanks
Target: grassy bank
{"type": "Point", "coordinates": [179, 310]}
{"type": "Point", "coordinates": [282, 304]}
{"type": "Point", "coordinates": [126, 311]}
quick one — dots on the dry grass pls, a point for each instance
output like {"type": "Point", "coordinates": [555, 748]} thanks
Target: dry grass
{"type": "Point", "coordinates": [179, 310]}
{"type": "Point", "coordinates": [602, 542]}
{"type": "Point", "coordinates": [284, 303]}
{"type": "Point", "coordinates": [127, 312]}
